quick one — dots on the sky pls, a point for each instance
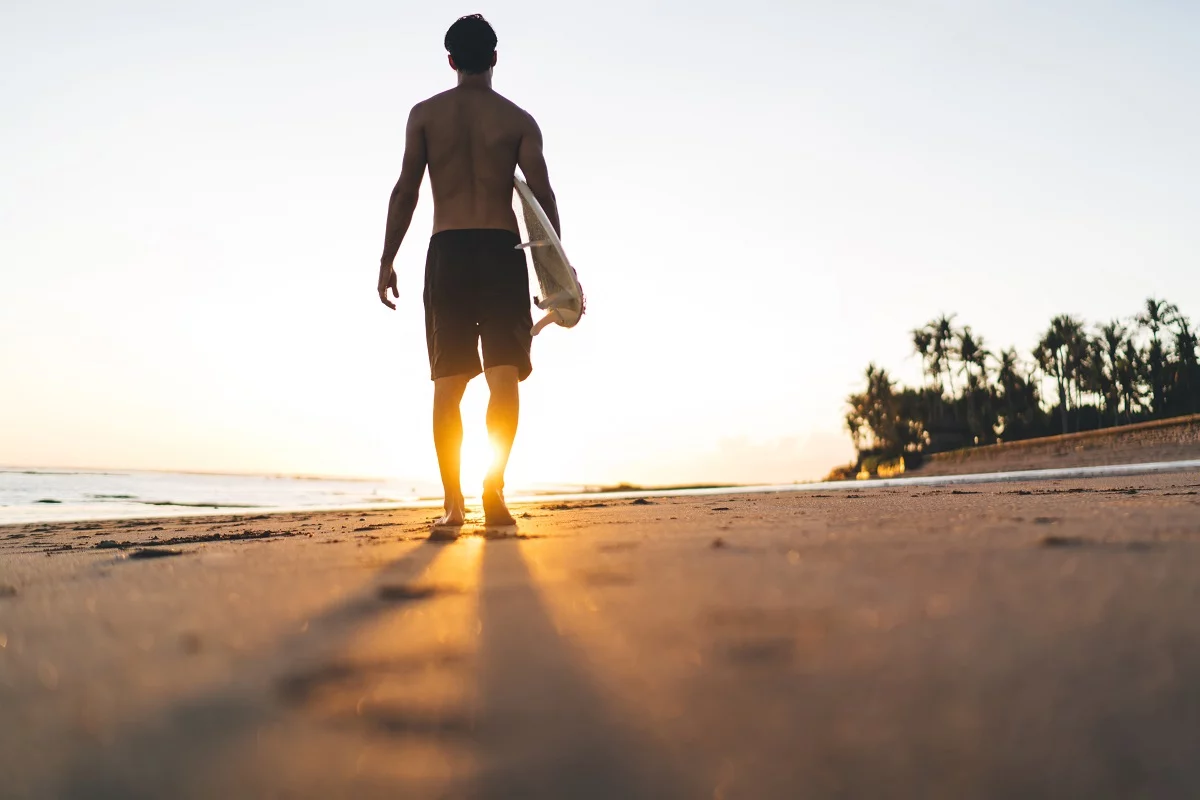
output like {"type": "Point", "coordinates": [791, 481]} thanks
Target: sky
{"type": "Point", "coordinates": [760, 198]}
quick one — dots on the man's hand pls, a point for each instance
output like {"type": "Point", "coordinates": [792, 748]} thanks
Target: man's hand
{"type": "Point", "coordinates": [387, 280]}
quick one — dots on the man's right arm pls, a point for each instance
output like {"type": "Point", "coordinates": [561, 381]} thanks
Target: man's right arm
{"type": "Point", "coordinates": [533, 165]}
{"type": "Point", "coordinates": [403, 201]}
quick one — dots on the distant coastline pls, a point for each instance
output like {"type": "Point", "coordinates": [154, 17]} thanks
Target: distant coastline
{"type": "Point", "coordinates": [1078, 378]}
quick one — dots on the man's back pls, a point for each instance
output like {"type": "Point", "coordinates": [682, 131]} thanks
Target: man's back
{"type": "Point", "coordinates": [473, 139]}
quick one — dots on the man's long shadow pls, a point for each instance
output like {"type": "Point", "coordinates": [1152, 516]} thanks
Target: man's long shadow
{"type": "Point", "coordinates": [543, 729]}
{"type": "Point", "coordinates": [162, 756]}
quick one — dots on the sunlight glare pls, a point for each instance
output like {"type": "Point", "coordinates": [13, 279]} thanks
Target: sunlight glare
{"type": "Point", "coordinates": [477, 450]}
{"type": "Point", "coordinates": [476, 458]}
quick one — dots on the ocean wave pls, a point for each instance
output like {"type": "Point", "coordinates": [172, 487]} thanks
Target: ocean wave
{"type": "Point", "coordinates": [197, 505]}
{"type": "Point", "coordinates": [56, 472]}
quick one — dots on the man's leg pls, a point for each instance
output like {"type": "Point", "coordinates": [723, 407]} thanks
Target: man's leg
{"type": "Point", "coordinates": [503, 409]}
{"type": "Point", "coordinates": [447, 439]}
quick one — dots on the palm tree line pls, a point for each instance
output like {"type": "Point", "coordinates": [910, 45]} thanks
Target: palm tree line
{"type": "Point", "coordinates": [1077, 378]}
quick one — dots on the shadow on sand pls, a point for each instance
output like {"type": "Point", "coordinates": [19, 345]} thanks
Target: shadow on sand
{"type": "Point", "coordinates": [538, 727]}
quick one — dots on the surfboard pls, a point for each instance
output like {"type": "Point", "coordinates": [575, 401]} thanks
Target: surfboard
{"type": "Point", "coordinates": [558, 286]}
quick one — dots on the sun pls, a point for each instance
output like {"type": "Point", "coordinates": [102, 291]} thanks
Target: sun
{"type": "Point", "coordinates": [477, 454]}
{"type": "Point", "coordinates": [477, 450]}
{"type": "Point", "coordinates": [476, 447]}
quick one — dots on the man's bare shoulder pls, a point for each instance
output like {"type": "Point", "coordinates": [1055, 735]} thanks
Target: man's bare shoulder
{"type": "Point", "coordinates": [430, 104]}
{"type": "Point", "coordinates": [437, 99]}
{"type": "Point", "coordinates": [517, 112]}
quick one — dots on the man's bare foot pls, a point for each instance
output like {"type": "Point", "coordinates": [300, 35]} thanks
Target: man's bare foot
{"type": "Point", "coordinates": [495, 512]}
{"type": "Point", "coordinates": [455, 516]}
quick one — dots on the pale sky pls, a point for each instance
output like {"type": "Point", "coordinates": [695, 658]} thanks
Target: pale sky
{"type": "Point", "coordinates": [759, 197]}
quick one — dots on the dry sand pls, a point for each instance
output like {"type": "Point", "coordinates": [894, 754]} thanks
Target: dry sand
{"type": "Point", "coordinates": [999, 640]}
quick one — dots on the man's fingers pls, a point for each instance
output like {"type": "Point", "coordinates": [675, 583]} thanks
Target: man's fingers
{"type": "Point", "coordinates": [387, 283]}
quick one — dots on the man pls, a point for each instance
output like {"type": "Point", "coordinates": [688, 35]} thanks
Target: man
{"type": "Point", "coordinates": [476, 283]}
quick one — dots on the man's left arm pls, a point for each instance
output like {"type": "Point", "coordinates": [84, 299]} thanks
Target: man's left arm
{"type": "Point", "coordinates": [403, 202]}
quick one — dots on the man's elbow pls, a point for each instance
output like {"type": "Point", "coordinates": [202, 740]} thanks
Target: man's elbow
{"type": "Point", "coordinates": [543, 193]}
{"type": "Point", "coordinates": [403, 194]}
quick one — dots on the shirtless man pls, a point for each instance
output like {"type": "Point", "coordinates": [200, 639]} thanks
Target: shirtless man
{"type": "Point", "coordinates": [476, 283]}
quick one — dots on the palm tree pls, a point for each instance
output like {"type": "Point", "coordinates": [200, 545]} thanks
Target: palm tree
{"type": "Point", "coordinates": [1184, 352]}
{"type": "Point", "coordinates": [922, 339]}
{"type": "Point", "coordinates": [1094, 375]}
{"type": "Point", "coordinates": [881, 418]}
{"type": "Point", "coordinates": [856, 419]}
{"type": "Point", "coordinates": [978, 396]}
{"type": "Point", "coordinates": [1008, 379]}
{"type": "Point", "coordinates": [973, 353]}
{"type": "Point", "coordinates": [1077, 355]}
{"type": "Point", "coordinates": [982, 354]}
{"type": "Point", "coordinates": [1006, 371]}
{"type": "Point", "coordinates": [1054, 355]}
{"type": "Point", "coordinates": [1111, 339]}
{"type": "Point", "coordinates": [1017, 403]}
{"type": "Point", "coordinates": [1130, 370]}
{"type": "Point", "coordinates": [1154, 317]}
{"type": "Point", "coordinates": [943, 346]}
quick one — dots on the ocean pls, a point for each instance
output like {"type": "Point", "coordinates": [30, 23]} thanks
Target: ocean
{"type": "Point", "coordinates": [47, 495]}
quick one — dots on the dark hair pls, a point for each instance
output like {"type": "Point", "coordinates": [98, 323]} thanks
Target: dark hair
{"type": "Point", "coordinates": [471, 42]}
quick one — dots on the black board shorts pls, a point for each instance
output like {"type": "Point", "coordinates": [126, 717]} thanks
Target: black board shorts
{"type": "Point", "coordinates": [476, 290]}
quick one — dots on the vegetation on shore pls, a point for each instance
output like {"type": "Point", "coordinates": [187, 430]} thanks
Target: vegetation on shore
{"type": "Point", "coordinates": [1077, 378]}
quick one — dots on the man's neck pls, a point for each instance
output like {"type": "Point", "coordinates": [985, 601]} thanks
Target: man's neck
{"type": "Point", "coordinates": [482, 80]}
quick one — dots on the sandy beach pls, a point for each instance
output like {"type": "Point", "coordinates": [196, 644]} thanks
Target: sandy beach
{"type": "Point", "coordinates": [991, 640]}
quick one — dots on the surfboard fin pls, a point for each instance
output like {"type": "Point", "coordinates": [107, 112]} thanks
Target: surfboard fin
{"type": "Point", "coordinates": [551, 316]}
{"type": "Point", "coordinates": [536, 243]}
{"type": "Point", "coordinates": [557, 298]}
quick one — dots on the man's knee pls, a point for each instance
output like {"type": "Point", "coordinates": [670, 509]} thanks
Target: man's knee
{"type": "Point", "coordinates": [449, 390]}
{"type": "Point", "coordinates": [502, 378]}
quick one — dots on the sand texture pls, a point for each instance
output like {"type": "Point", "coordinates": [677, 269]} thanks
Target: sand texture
{"type": "Point", "coordinates": [996, 640]}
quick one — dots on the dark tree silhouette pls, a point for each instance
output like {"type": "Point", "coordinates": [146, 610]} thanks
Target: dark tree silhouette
{"type": "Point", "coordinates": [1185, 380]}
{"type": "Point", "coordinates": [942, 330]}
{"type": "Point", "coordinates": [1111, 340]}
{"type": "Point", "coordinates": [1056, 354]}
{"type": "Point", "coordinates": [1145, 367]}
{"type": "Point", "coordinates": [922, 339]}
{"type": "Point", "coordinates": [1153, 319]}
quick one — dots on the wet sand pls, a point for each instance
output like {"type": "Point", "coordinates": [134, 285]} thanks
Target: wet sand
{"type": "Point", "coordinates": [995, 640]}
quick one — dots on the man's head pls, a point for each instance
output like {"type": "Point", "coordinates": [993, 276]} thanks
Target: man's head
{"type": "Point", "coordinates": [471, 43]}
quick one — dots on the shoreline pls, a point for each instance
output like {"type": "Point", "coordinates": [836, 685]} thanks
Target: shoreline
{"type": "Point", "coordinates": [915, 479]}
